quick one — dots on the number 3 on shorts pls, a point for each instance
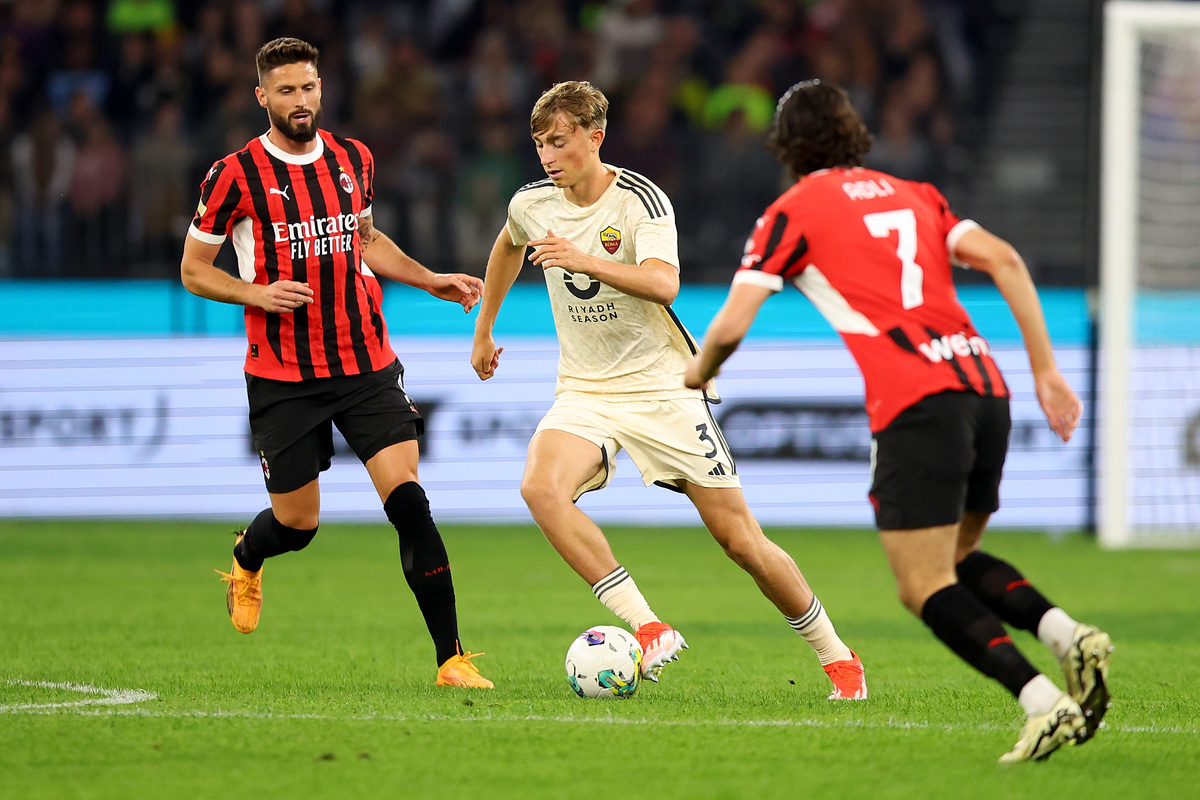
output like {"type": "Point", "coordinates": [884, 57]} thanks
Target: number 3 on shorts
{"type": "Point", "coordinates": [704, 437]}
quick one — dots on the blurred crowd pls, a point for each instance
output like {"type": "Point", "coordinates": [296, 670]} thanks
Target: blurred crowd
{"type": "Point", "coordinates": [111, 111]}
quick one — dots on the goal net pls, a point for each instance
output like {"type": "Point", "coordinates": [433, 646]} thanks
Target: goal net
{"type": "Point", "coordinates": [1149, 415]}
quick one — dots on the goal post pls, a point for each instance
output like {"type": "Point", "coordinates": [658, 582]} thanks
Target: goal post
{"type": "Point", "coordinates": [1149, 415]}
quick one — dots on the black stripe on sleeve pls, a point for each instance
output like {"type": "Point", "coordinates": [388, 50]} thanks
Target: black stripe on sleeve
{"type": "Point", "coordinates": [773, 240]}
{"type": "Point", "coordinates": [270, 252]}
{"type": "Point", "coordinates": [797, 252]}
{"type": "Point", "coordinates": [535, 185]}
{"type": "Point", "coordinates": [642, 194]}
{"type": "Point", "coordinates": [227, 200]}
{"type": "Point", "coordinates": [652, 190]}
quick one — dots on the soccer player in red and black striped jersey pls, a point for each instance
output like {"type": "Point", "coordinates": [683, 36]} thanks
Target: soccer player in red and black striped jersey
{"type": "Point", "coordinates": [874, 253]}
{"type": "Point", "coordinates": [297, 203]}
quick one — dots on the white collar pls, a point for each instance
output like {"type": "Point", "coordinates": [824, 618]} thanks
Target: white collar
{"type": "Point", "coordinates": [307, 158]}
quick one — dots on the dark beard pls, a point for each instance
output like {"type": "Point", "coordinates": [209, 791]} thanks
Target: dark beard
{"type": "Point", "coordinates": [297, 133]}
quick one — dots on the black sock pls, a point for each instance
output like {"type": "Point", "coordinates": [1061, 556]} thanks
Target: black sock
{"type": "Point", "coordinates": [976, 635]}
{"type": "Point", "coordinates": [266, 537]}
{"type": "Point", "coordinates": [426, 565]}
{"type": "Point", "coordinates": [1004, 590]}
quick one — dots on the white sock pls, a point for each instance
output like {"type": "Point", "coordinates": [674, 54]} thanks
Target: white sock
{"type": "Point", "coordinates": [1039, 695]}
{"type": "Point", "coordinates": [1056, 630]}
{"type": "Point", "coordinates": [620, 595]}
{"type": "Point", "coordinates": [816, 629]}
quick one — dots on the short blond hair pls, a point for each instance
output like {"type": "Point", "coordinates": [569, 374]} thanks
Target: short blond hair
{"type": "Point", "coordinates": [583, 103]}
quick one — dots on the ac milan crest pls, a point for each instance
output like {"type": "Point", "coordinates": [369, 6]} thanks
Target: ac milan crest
{"type": "Point", "coordinates": [347, 183]}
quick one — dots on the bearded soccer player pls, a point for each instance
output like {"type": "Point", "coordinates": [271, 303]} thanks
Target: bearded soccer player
{"type": "Point", "coordinates": [605, 240]}
{"type": "Point", "coordinates": [297, 203]}
{"type": "Point", "coordinates": [873, 253]}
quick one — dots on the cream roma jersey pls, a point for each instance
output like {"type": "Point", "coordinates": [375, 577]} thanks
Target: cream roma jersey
{"type": "Point", "coordinates": [609, 342]}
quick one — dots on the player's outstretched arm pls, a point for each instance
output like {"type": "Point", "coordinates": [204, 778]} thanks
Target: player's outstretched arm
{"type": "Point", "coordinates": [387, 259]}
{"type": "Point", "coordinates": [504, 264]}
{"type": "Point", "coordinates": [202, 278]}
{"type": "Point", "coordinates": [725, 333]}
{"type": "Point", "coordinates": [988, 253]}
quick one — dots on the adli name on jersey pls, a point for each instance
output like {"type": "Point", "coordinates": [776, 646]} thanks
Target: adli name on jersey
{"type": "Point", "coordinates": [610, 237]}
{"type": "Point", "coordinates": [867, 190]}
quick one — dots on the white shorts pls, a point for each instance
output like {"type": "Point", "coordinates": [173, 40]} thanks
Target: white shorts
{"type": "Point", "coordinates": [669, 440]}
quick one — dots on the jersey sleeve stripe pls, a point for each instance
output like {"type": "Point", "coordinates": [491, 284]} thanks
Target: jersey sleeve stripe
{"type": "Point", "coordinates": [653, 191]}
{"type": "Point", "coordinates": [775, 237]}
{"type": "Point", "coordinates": [754, 277]}
{"type": "Point", "coordinates": [535, 185]}
{"type": "Point", "coordinates": [956, 233]}
{"type": "Point", "coordinates": [221, 194]}
{"type": "Point", "coordinates": [797, 252]}
{"type": "Point", "coordinates": [207, 238]}
{"type": "Point", "coordinates": [642, 195]}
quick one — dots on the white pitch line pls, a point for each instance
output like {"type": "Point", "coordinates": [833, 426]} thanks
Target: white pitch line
{"type": "Point", "coordinates": [108, 697]}
{"type": "Point", "coordinates": [889, 724]}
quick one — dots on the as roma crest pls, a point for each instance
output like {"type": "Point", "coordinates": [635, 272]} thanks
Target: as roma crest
{"type": "Point", "coordinates": [610, 237]}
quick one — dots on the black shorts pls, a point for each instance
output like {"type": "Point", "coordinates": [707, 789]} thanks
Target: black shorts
{"type": "Point", "coordinates": [940, 457]}
{"type": "Point", "coordinates": [291, 423]}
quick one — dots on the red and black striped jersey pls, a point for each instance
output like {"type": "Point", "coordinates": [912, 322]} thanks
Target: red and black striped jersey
{"type": "Point", "coordinates": [873, 253]}
{"type": "Point", "coordinates": [296, 218]}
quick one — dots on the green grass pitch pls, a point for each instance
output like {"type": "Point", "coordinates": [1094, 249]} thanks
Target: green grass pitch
{"type": "Point", "coordinates": [333, 695]}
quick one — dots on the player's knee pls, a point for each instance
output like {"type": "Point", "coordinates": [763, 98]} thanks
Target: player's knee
{"type": "Point", "coordinates": [298, 521]}
{"type": "Point", "coordinates": [914, 593]}
{"type": "Point", "coordinates": [408, 507]}
{"type": "Point", "coordinates": [541, 496]}
{"type": "Point", "coordinates": [746, 551]}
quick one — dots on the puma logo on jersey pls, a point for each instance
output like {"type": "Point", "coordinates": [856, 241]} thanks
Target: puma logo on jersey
{"type": "Point", "coordinates": [945, 348]}
{"type": "Point", "coordinates": [285, 191]}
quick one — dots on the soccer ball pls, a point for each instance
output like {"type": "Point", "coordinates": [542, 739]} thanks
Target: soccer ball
{"type": "Point", "coordinates": [604, 661]}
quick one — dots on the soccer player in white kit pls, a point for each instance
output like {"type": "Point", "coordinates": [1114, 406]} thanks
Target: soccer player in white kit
{"type": "Point", "coordinates": [606, 241]}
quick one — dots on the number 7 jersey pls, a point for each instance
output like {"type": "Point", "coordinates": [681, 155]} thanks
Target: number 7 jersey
{"type": "Point", "coordinates": [873, 253]}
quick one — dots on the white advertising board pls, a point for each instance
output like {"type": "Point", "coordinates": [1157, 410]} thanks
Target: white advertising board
{"type": "Point", "coordinates": [157, 427]}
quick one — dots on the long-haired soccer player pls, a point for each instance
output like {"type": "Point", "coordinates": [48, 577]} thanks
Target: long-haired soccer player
{"type": "Point", "coordinates": [873, 253]}
{"type": "Point", "coordinates": [297, 203]}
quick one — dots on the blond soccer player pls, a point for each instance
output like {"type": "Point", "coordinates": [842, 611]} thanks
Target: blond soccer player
{"type": "Point", "coordinates": [606, 242]}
